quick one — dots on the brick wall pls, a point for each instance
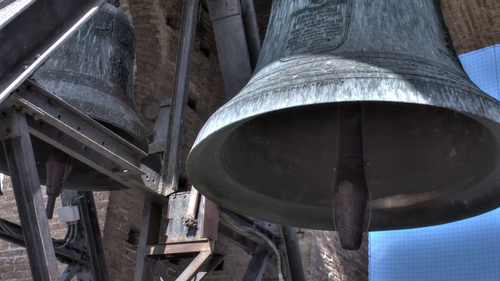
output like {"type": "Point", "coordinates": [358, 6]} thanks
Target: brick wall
{"type": "Point", "coordinates": [13, 259]}
{"type": "Point", "coordinates": [473, 24]}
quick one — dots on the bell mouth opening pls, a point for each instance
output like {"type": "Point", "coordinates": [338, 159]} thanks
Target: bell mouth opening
{"type": "Point", "coordinates": [414, 154]}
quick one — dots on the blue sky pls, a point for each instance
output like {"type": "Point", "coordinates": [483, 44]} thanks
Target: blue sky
{"type": "Point", "coordinates": [464, 250]}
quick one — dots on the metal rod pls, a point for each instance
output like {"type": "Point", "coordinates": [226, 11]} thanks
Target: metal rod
{"type": "Point", "coordinates": [293, 253]}
{"type": "Point", "coordinates": [29, 200]}
{"type": "Point", "coordinates": [251, 30]}
{"type": "Point", "coordinates": [173, 151]}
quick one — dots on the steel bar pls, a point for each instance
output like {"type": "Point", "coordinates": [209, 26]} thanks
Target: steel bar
{"type": "Point", "coordinates": [285, 264]}
{"type": "Point", "coordinates": [84, 139]}
{"type": "Point", "coordinates": [44, 25]}
{"type": "Point", "coordinates": [231, 41]}
{"type": "Point", "coordinates": [180, 248]}
{"type": "Point", "coordinates": [251, 30]}
{"type": "Point", "coordinates": [75, 123]}
{"type": "Point", "coordinates": [70, 272]}
{"type": "Point", "coordinates": [160, 132]}
{"type": "Point", "coordinates": [258, 264]}
{"type": "Point", "coordinates": [89, 236]}
{"type": "Point", "coordinates": [173, 151]}
{"type": "Point", "coordinates": [192, 269]}
{"type": "Point", "coordinates": [79, 151]}
{"type": "Point", "coordinates": [29, 201]}
{"type": "Point", "coordinates": [66, 254]}
{"type": "Point", "coordinates": [149, 235]}
{"type": "Point", "coordinates": [293, 253]}
{"type": "Point", "coordinates": [208, 267]}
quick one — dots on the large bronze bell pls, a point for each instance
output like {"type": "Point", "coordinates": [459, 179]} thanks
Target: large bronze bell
{"type": "Point", "coordinates": [359, 116]}
{"type": "Point", "coordinates": [93, 71]}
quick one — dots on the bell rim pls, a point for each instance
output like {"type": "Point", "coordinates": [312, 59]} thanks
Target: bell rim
{"type": "Point", "coordinates": [482, 107]}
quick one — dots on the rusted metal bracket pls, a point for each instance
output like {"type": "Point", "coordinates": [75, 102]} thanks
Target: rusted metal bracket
{"type": "Point", "coordinates": [182, 240]}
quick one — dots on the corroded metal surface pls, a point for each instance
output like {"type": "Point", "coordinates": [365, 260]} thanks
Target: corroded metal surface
{"type": "Point", "coordinates": [430, 136]}
{"type": "Point", "coordinates": [93, 71]}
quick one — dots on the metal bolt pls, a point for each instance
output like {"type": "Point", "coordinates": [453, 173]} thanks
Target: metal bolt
{"type": "Point", "coordinates": [125, 171]}
{"type": "Point", "coordinates": [36, 117]}
{"type": "Point", "coordinates": [25, 66]}
{"type": "Point", "coordinates": [52, 102]}
{"type": "Point", "coordinates": [37, 56]}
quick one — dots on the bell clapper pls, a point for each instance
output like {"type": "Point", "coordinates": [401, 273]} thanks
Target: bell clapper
{"type": "Point", "coordinates": [350, 191]}
{"type": "Point", "coordinates": [58, 167]}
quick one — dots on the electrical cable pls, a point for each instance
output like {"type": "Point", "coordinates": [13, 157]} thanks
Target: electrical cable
{"type": "Point", "coordinates": [66, 241]}
{"type": "Point", "coordinates": [71, 231]}
{"type": "Point", "coordinates": [261, 236]}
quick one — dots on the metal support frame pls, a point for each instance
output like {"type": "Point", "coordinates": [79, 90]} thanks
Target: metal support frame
{"type": "Point", "coordinates": [28, 195]}
{"type": "Point", "coordinates": [71, 131]}
{"type": "Point", "coordinates": [182, 241]}
{"type": "Point", "coordinates": [171, 169]}
{"type": "Point", "coordinates": [258, 264]}
{"type": "Point", "coordinates": [149, 235]}
{"type": "Point", "coordinates": [293, 252]}
{"type": "Point", "coordinates": [231, 40]}
{"type": "Point", "coordinates": [13, 233]}
{"type": "Point", "coordinates": [86, 255]}
{"type": "Point", "coordinates": [33, 110]}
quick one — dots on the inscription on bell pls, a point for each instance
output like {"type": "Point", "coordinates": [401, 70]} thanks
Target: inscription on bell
{"type": "Point", "coordinates": [318, 29]}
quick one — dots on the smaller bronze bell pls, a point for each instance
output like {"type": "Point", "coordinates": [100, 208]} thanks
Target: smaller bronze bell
{"type": "Point", "coordinates": [94, 72]}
